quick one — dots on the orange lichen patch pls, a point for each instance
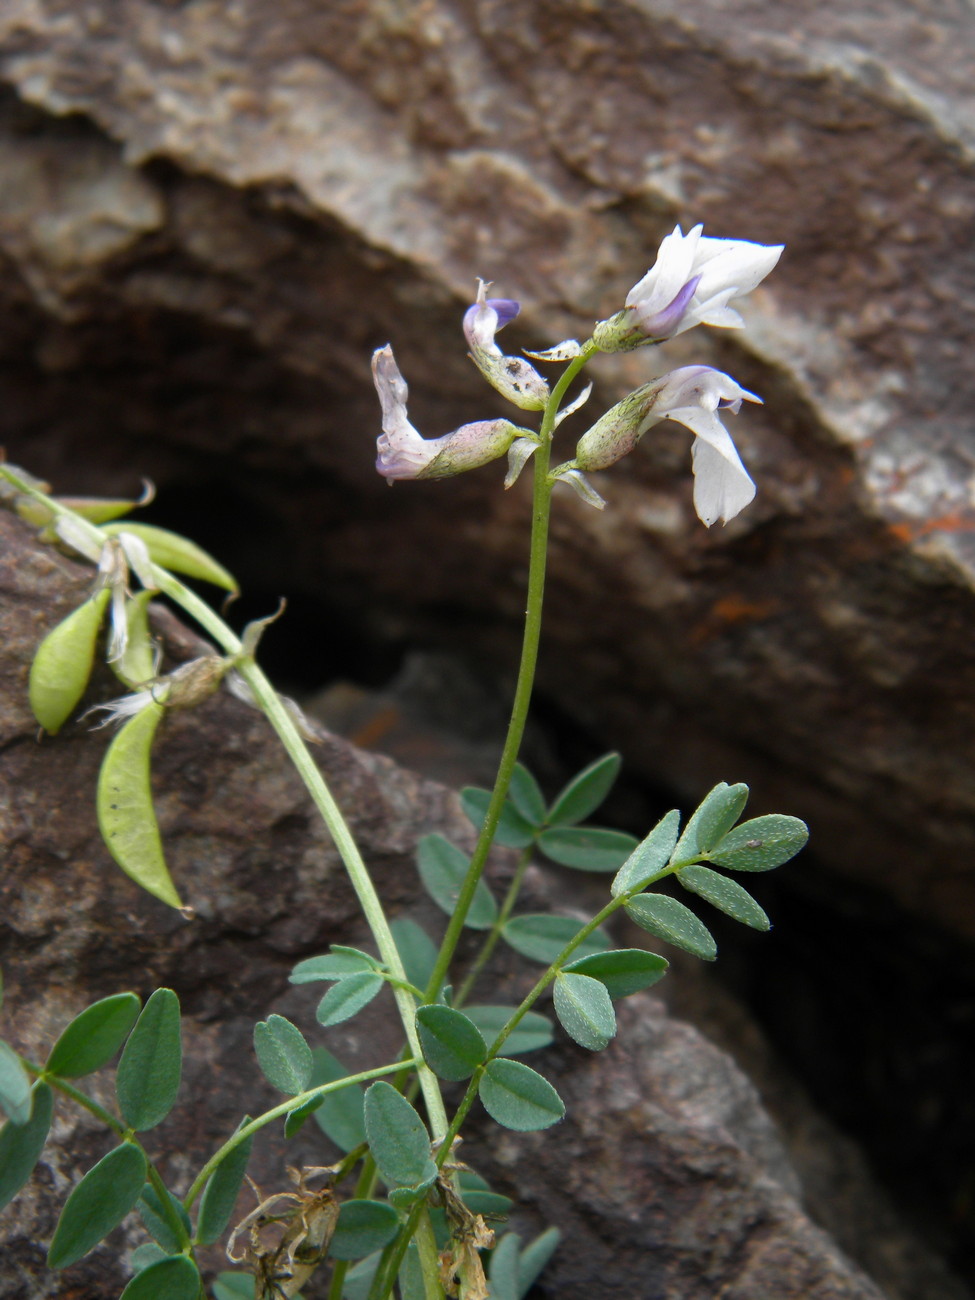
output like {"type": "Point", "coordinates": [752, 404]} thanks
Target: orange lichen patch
{"type": "Point", "coordinates": [736, 609]}
{"type": "Point", "coordinates": [727, 611]}
{"type": "Point", "coordinates": [909, 530]}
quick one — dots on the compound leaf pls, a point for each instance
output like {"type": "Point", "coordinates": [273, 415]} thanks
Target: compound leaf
{"type": "Point", "coordinates": [711, 820]}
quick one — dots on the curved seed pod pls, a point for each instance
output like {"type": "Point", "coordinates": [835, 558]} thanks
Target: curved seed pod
{"type": "Point", "coordinates": [63, 663]}
{"type": "Point", "coordinates": [125, 814]}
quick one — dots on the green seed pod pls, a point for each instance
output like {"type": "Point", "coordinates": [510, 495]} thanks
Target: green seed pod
{"type": "Point", "coordinates": [63, 663]}
{"type": "Point", "coordinates": [179, 554]}
{"type": "Point", "coordinates": [126, 816]}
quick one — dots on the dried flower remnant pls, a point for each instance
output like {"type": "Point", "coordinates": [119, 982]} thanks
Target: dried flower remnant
{"type": "Point", "coordinates": [691, 283]}
{"type": "Point", "coordinates": [692, 396]}
{"type": "Point", "coordinates": [404, 454]}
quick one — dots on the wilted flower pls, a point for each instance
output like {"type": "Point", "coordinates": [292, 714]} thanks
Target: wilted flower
{"type": "Point", "coordinates": [184, 687]}
{"type": "Point", "coordinates": [513, 377]}
{"type": "Point", "coordinates": [691, 283]}
{"type": "Point", "coordinates": [692, 396]}
{"type": "Point", "coordinates": [404, 454]}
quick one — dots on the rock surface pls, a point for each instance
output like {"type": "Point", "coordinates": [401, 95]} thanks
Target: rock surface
{"type": "Point", "coordinates": [668, 1176]}
{"type": "Point", "coordinates": [210, 216]}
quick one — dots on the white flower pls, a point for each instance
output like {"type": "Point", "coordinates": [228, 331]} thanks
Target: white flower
{"type": "Point", "coordinates": [691, 283]}
{"type": "Point", "coordinates": [692, 396]}
{"type": "Point", "coordinates": [404, 454]}
{"type": "Point", "coordinates": [513, 377]}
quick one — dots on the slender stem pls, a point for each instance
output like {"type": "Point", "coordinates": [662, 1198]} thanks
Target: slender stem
{"type": "Point", "coordinates": [490, 943]}
{"type": "Point", "coordinates": [282, 1108]}
{"type": "Point", "coordinates": [538, 551]}
{"type": "Point", "coordinates": [532, 996]}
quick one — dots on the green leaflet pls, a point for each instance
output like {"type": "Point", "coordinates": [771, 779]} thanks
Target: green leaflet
{"type": "Point", "coordinates": [513, 830]}
{"type": "Point", "coordinates": [670, 920]}
{"type": "Point", "coordinates": [761, 844]}
{"type": "Point", "coordinates": [540, 936]}
{"type": "Point", "coordinates": [442, 868]}
{"type": "Point", "coordinates": [585, 1010]}
{"type": "Point", "coordinates": [585, 792]}
{"type": "Point", "coordinates": [126, 816]}
{"type": "Point", "coordinates": [532, 1031]}
{"type": "Point", "coordinates": [63, 663]}
{"type": "Point", "coordinates": [649, 857]}
{"type": "Point", "coordinates": [587, 848]}
{"type": "Point", "coordinates": [725, 894]}
{"type": "Point", "coordinates": [362, 1227]}
{"type": "Point", "coordinates": [21, 1144]}
{"type": "Point", "coordinates": [517, 1097]}
{"type": "Point", "coordinates": [713, 818]}
{"type": "Point", "coordinates": [94, 1036]}
{"type": "Point", "coordinates": [340, 1114]}
{"type": "Point", "coordinates": [451, 1043]}
{"type": "Point", "coordinates": [283, 1054]}
{"type": "Point", "coordinates": [148, 1075]}
{"type": "Point", "coordinates": [15, 1089]}
{"type": "Point", "coordinates": [417, 950]}
{"type": "Point", "coordinates": [348, 996]}
{"type": "Point", "coordinates": [623, 971]}
{"type": "Point", "coordinates": [98, 1204]}
{"type": "Point", "coordinates": [175, 1278]}
{"type": "Point", "coordinates": [179, 554]}
{"type": "Point", "coordinates": [220, 1194]}
{"type": "Point", "coordinates": [398, 1139]}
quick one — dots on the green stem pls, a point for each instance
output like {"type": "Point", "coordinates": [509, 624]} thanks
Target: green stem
{"type": "Point", "coordinates": [283, 1108]}
{"type": "Point", "coordinates": [490, 943]}
{"type": "Point", "coordinates": [541, 512]}
{"type": "Point", "coordinates": [530, 998]}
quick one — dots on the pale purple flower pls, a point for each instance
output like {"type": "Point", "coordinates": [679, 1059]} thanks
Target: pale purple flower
{"type": "Point", "coordinates": [691, 283]}
{"type": "Point", "coordinates": [404, 454]}
{"type": "Point", "coordinates": [513, 377]}
{"type": "Point", "coordinates": [693, 396]}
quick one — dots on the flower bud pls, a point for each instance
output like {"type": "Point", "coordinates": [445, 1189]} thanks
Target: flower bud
{"type": "Point", "coordinates": [513, 377]}
{"type": "Point", "coordinates": [404, 454]}
{"type": "Point", "coordinates": [691, 283]}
